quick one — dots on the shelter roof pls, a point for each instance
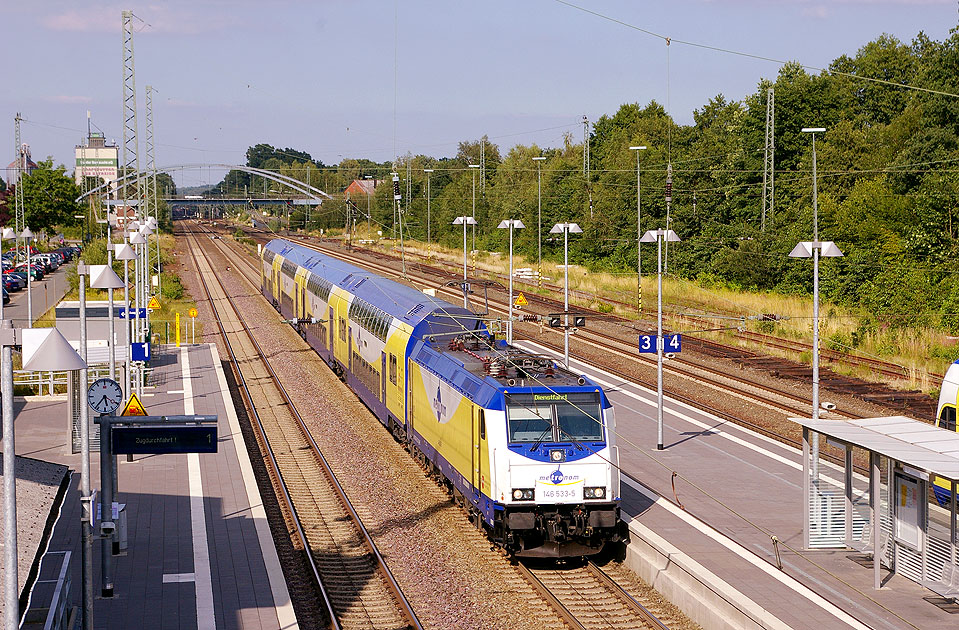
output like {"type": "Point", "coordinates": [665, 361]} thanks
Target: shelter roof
{"type": "Point", "coordinates": [909, 441]}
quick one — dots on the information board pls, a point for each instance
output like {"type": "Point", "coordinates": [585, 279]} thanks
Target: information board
{"type": "Point", "coordinates": [161, 440]}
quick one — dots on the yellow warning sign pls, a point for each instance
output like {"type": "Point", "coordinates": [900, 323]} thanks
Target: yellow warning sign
{"type": "Point", "coordinates": [134, 408]}
{"type": "Point", "coordinates": [192, 312]}
{"type": "Point", "coordinates": [154, 303]}
{"type": "Point", "coordinates": [520, 300]}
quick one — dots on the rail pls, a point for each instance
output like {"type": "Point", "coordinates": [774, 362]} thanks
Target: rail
{"type": "Point", "coordinates": [368, 540]}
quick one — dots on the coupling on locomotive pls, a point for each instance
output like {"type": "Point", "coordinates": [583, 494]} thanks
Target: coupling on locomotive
{"type": "Point", "coordinates": [527, 446]}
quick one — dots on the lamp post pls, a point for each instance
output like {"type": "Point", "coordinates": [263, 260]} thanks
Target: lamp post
{"type": "Point", "coordinates": [27, 235]}
{"type": "Point", "coordinates": [539, 220]}
{"type": "Point", "coordinates": [126, 254]}
{"type": "Point", "coordinates": [464, 221]}
{"type": "Point", "coordinates": [369, 194]}
{"type": "Point", "coordinates": [44, 349]}
{"type": "Point", "coordinates": [639, 235]}
{"type": "Point", "coordinates": [473, 167]}
{"type": "Point", "coordinates": [814, 249]}
{"type": "Point", "coordinates": [659, 236]}
{"type": "Point", "coordinates": [565, 228]}
{"type": "Point", "coordinates": [146, 230]}
{"type": "Point", "coordinates": [429, 242]}
{"type": "Point", "coordinates": [511, 224]}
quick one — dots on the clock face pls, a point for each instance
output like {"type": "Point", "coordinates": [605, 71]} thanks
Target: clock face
{"type": "Point", "coordinates": [104, 395]}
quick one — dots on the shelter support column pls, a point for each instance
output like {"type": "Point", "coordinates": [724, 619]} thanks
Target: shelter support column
{"type": "Point", "coordinates": [952, 523]}
{"type": "Point", "coordinates": [805, 488]}
{"type": "Point", "coordinates": [847, 470]}
{"type": "Point", "coordinates": [876, 504]}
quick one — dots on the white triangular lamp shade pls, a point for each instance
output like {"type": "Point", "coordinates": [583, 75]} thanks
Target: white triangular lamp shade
{"type": "Point", "coordinates": [8, 233]}
{"type": "Point", "coordinates": [137, 238]}
{"type": "Point", "coordinates": [103, 277]}
{"type": "Point", "coordinates": [124, 252]}
{"type": "Point", "coordinates": [45, 349]}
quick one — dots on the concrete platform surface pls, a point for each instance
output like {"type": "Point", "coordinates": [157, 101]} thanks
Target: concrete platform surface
{"type": "Point", "coordinates": [200, 552]}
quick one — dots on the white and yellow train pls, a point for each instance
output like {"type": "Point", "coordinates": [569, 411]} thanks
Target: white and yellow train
{"type": "Point", "coordinates": [528, 447]}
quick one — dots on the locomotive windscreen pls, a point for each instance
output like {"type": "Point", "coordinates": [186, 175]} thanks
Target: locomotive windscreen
{"type": "Point", "coordinates": [554, 417]}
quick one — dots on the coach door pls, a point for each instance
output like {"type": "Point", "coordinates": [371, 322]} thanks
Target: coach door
{"type": "Point", "coordinates": [349, 348]}
{"type": "Point", "coordinates": [479, 437]}
{"type": "Point", "coordinates": [331, 324]}
{"type": "Point", "coordinates": [383, 376]}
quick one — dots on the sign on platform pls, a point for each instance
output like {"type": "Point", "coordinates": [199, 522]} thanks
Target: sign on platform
{"type": "Point", "coordinates": [134, 313]}
{"type": "Point", "coordinates": [671, 343]}
{"type": "Point", "coordinates": [140, 351]}
{"type": "Point", "coordinates": [154, 303]}
{"type": "Point", "coordinates": [133, 408]}
{"type": "Point", "coordinates": [520, 300]}
{"type": "Point", "coordinates": [163, 439]}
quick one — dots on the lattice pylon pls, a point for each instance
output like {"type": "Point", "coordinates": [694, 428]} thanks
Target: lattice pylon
{"type": "Point", "coordinates": [769, 159]}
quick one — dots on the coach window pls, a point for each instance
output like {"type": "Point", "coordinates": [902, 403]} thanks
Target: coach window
{"type": "Point", "coordinates": [342, 329]}
{"type": "Point", "coordinates": [947, 418]}
{"type": "Point", "coordinates": [393, 369]}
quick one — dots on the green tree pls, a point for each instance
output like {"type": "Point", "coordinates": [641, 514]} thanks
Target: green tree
{"type": "Point", "coordinates": [49, 197]}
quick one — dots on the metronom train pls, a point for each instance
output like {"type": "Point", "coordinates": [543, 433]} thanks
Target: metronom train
{"type": "Point", "coordinates": [525, 445]}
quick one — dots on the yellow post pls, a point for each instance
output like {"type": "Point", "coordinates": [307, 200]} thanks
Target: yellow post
{"type": "Point", "coordinates": [178, 330]}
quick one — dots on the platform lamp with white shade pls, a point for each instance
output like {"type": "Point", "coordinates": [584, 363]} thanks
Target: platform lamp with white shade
{"type": "Point", "coordinates": [44, 349]}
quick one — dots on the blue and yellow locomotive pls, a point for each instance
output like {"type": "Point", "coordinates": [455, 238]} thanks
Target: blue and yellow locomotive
{"type": "Point", "coordinates": [526, 446]}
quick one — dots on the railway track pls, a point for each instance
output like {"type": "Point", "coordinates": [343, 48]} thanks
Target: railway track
{"type": "Point", "coordinates": [584, 597]}
{"type": "Point", "coordinates": [352, 578]}
{"type": "Point", "coordinates": [762, 340]}
{"type": "Point", "coordinates": [783, 401]}
{"type": "Point", "coordinates": [590, 599]}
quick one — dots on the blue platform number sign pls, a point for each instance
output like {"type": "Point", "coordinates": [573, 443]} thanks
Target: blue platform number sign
{"type": "Point", "coordinates": [140, 351]}
{"type": "Point", "coordinates": [671, 343]}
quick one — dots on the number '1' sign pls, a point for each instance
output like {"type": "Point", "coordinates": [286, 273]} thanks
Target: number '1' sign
{"type": "Point", "coordinates": [671, 343]}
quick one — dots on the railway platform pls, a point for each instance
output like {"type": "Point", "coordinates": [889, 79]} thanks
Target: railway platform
{"type": "Point", "coordinates": [715, 557]}
{"type": "Point", "coordinates": [200, 553]}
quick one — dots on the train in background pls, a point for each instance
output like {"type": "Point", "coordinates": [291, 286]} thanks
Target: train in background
{"type": "Point", "coordinates": [946, 419]}
{"type": "Point", "coordinates": [525, 445]}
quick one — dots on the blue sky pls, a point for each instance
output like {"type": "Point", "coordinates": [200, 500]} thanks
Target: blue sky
{"type": "Point", "coordinates": [319, 76]}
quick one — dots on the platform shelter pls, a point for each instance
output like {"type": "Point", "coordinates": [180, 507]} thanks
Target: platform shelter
{"type": "Point", "coordinates": [918, 462]}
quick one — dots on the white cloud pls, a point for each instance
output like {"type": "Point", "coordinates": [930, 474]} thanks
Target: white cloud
{"type": "Point", "coordinates": [152, 19]}
{"type": "Point", "coordinates": [817, 11]}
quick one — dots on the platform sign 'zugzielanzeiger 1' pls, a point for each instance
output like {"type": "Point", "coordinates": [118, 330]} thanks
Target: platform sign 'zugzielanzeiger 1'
{"type": "Point", "coordinates": [164, 439]}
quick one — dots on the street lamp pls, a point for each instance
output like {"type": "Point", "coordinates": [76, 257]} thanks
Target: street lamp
{"type": "Point", "coordinates": [429, 244]}
{"type": "Point", "coordinates": [539, 219]}
{"type": "Point", "coordinates": [464, 221]}
{"type": "Point", "coordinates": [659, 236]}
{"type": "Point", "coordinates": [43, 349]}
{"type": "Point", "coordinates": [473, 230]}
{"type": "Point", "coordinates": [27, 235]}
{"type": "Point", "coordinates": [369, 193]}
{"type": "Point", "coordinates": [510, 223]}
{"type": "Point", "coordinates": [126, 254]}
{"type": "Point", "coordinates": [814, 249]}
{"type": "Point", "coordinates": [639, 235]}
{"type": "Point", "coordinates": [565, 228]}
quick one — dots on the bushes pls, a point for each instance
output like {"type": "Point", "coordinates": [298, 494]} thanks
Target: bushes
{"type": "Point", "coordinates": [171, 287]}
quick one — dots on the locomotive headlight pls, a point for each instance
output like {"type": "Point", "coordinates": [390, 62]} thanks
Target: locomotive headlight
{"type": "Point", "coordinates": [522, 494]}
{"type": "Point", "coordinates": [598, 492]}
